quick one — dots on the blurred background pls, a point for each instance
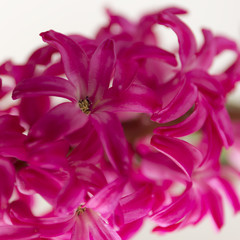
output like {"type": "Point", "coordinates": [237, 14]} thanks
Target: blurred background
{"type": "Point", "coordinates": [22, 21]}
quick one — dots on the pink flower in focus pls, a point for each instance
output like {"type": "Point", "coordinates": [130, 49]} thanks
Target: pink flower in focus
{"type": "Point", "coordinates": [87, 85]}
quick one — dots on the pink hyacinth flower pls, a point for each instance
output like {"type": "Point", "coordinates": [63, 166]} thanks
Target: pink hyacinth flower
{"type": "Point", "coordinates": [194, 70]}
{"type": "Point", "coordinates": [87, 84]}
{"type": "Point", "coordinates": [202, 194]}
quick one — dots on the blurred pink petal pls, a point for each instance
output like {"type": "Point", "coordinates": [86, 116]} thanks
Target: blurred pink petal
{"type": "Point", "coordinates": [10, 232]}
{"type": "Point", "coordinates": [183, 154]}
{"type": "Point", "coordinates": [106, 200]}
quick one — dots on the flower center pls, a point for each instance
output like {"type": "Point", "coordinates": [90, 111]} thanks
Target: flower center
{"type": "Point", "coordinates": [81, 210]}
{"type": "Point", "coordinates": [84, 105]}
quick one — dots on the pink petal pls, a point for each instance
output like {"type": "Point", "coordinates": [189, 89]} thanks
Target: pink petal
{"type": "Point", "coordinates": [207, 52]}
{"type": "Point", "coordinates": [190, 125]}
{"type": "Point", "coordinates": [41, 182]}
{"type": "Point", "coordinates": [137, 204]}
{"type": "Point", "coordinates": [106, 200]}
{"type": "Point", "coordinates": [3, 89]}
{"type": "Point", "coordinates": [183, 154]}
{"type": "Point", "coordinates": [101, 70]}
{"type": "Point", "coordinates": [111, 133]}
{"type": "Point", "coordinates": [58, 122]}
{"type": "Point", "coordinates": [136, 98]}
{"type": "Point", "coordinates": [231, 76]}
{"type": "Point", "coordinates": [56, 69]}
{"type": "Point", "coordinates": [223, 43]}
{"type": "Point", "coordinates": [88, 45]}
{"type": "Point", "coordinates": [158, 167]}
{"type": "Point", "coordinates": [10, 123]}
{"type": "Point", "coordinates": [45, 85]}
{"type": "Point", "coordinates": [12, 145]}
{"type": "Point", "coordinates": [81, 135]}
{"type": "Point", "coordinates": [18, 72]}
{"type": "Point", "coordinates": [167, 229]}
{"type": "Point", "coordinates": [124, 23]}
{"type": "Point", "coordinates": [208, 85]}
{"type": "Point", "coordinates": [71, 195]}
{"type": "Point", "coordinates": [116, 219]}
{"type": "Point", "coordinates": [42, 56]}
{"type": "Point", "coordinates": [74, 59]}
{"type": "Point", "coordinates": [124, 74]}
{"type": "Point", "coordinates": [80, 231]}
{"type": "Point", "coordinates": [141, 51]}
{"type": "Point", "coordinates": [144, 30]}
{"type": "Point", "coordinates": [33, 108]}
{"type": "Point", "coordinates": [47, 226]}
{"type": "Point", "coordinates": [128, 230]}
{"type": "Point", "coordinates": [20, 212]}
{"type": "Point", "coordinates": [91, 177]}
{"type": "Point", "coordinates": [175, 10]}
{"type": "Point", "coordinates": [211, 145]}
{"type": "Point", "coordinates": [230, 193]}
{"type": "Point", "coordinates": [223, 125]}
{"type": "Point", "coordinates": [10, 232]}
{"type": "Point", "coordinates": [88, 151]}
{"type": "Point", "coordinates": [215, 206]}
{"type": "Point", "coordinates": [176, 211]}
{"type": "Point", "coordinates": [55, 226]}
{"type": "Point", "coordinates": [187, 43]}
{"type": "Point", "coordinates": [51, 155]}
{"type": "Point", "coordinates": [179, 105]}
{"type": "Point", "coordinates": [7, 173]}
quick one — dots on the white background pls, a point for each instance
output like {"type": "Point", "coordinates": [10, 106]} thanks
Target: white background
{"type": "Point", "coordinates": [21, 21]}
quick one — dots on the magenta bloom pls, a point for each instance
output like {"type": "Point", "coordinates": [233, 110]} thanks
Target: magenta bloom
{"type": "Point", "coordinates": [210, 99]}
{"type": "Point", "coordinates": [202, 194]}
{"type": "Point", "coordinates": [86, 87]}
{"type": "Point", "coordinates": [78, 221]}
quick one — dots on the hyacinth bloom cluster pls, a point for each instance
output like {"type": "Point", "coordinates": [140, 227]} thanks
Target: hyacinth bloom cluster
{"type": "Point", "coordinates": [114, 130]}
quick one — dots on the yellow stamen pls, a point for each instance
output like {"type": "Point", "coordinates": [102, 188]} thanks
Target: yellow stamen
{"type": "Point", "coordinates": [84, 105]}
{"type": "Point", "coordinates": [81, 210]}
